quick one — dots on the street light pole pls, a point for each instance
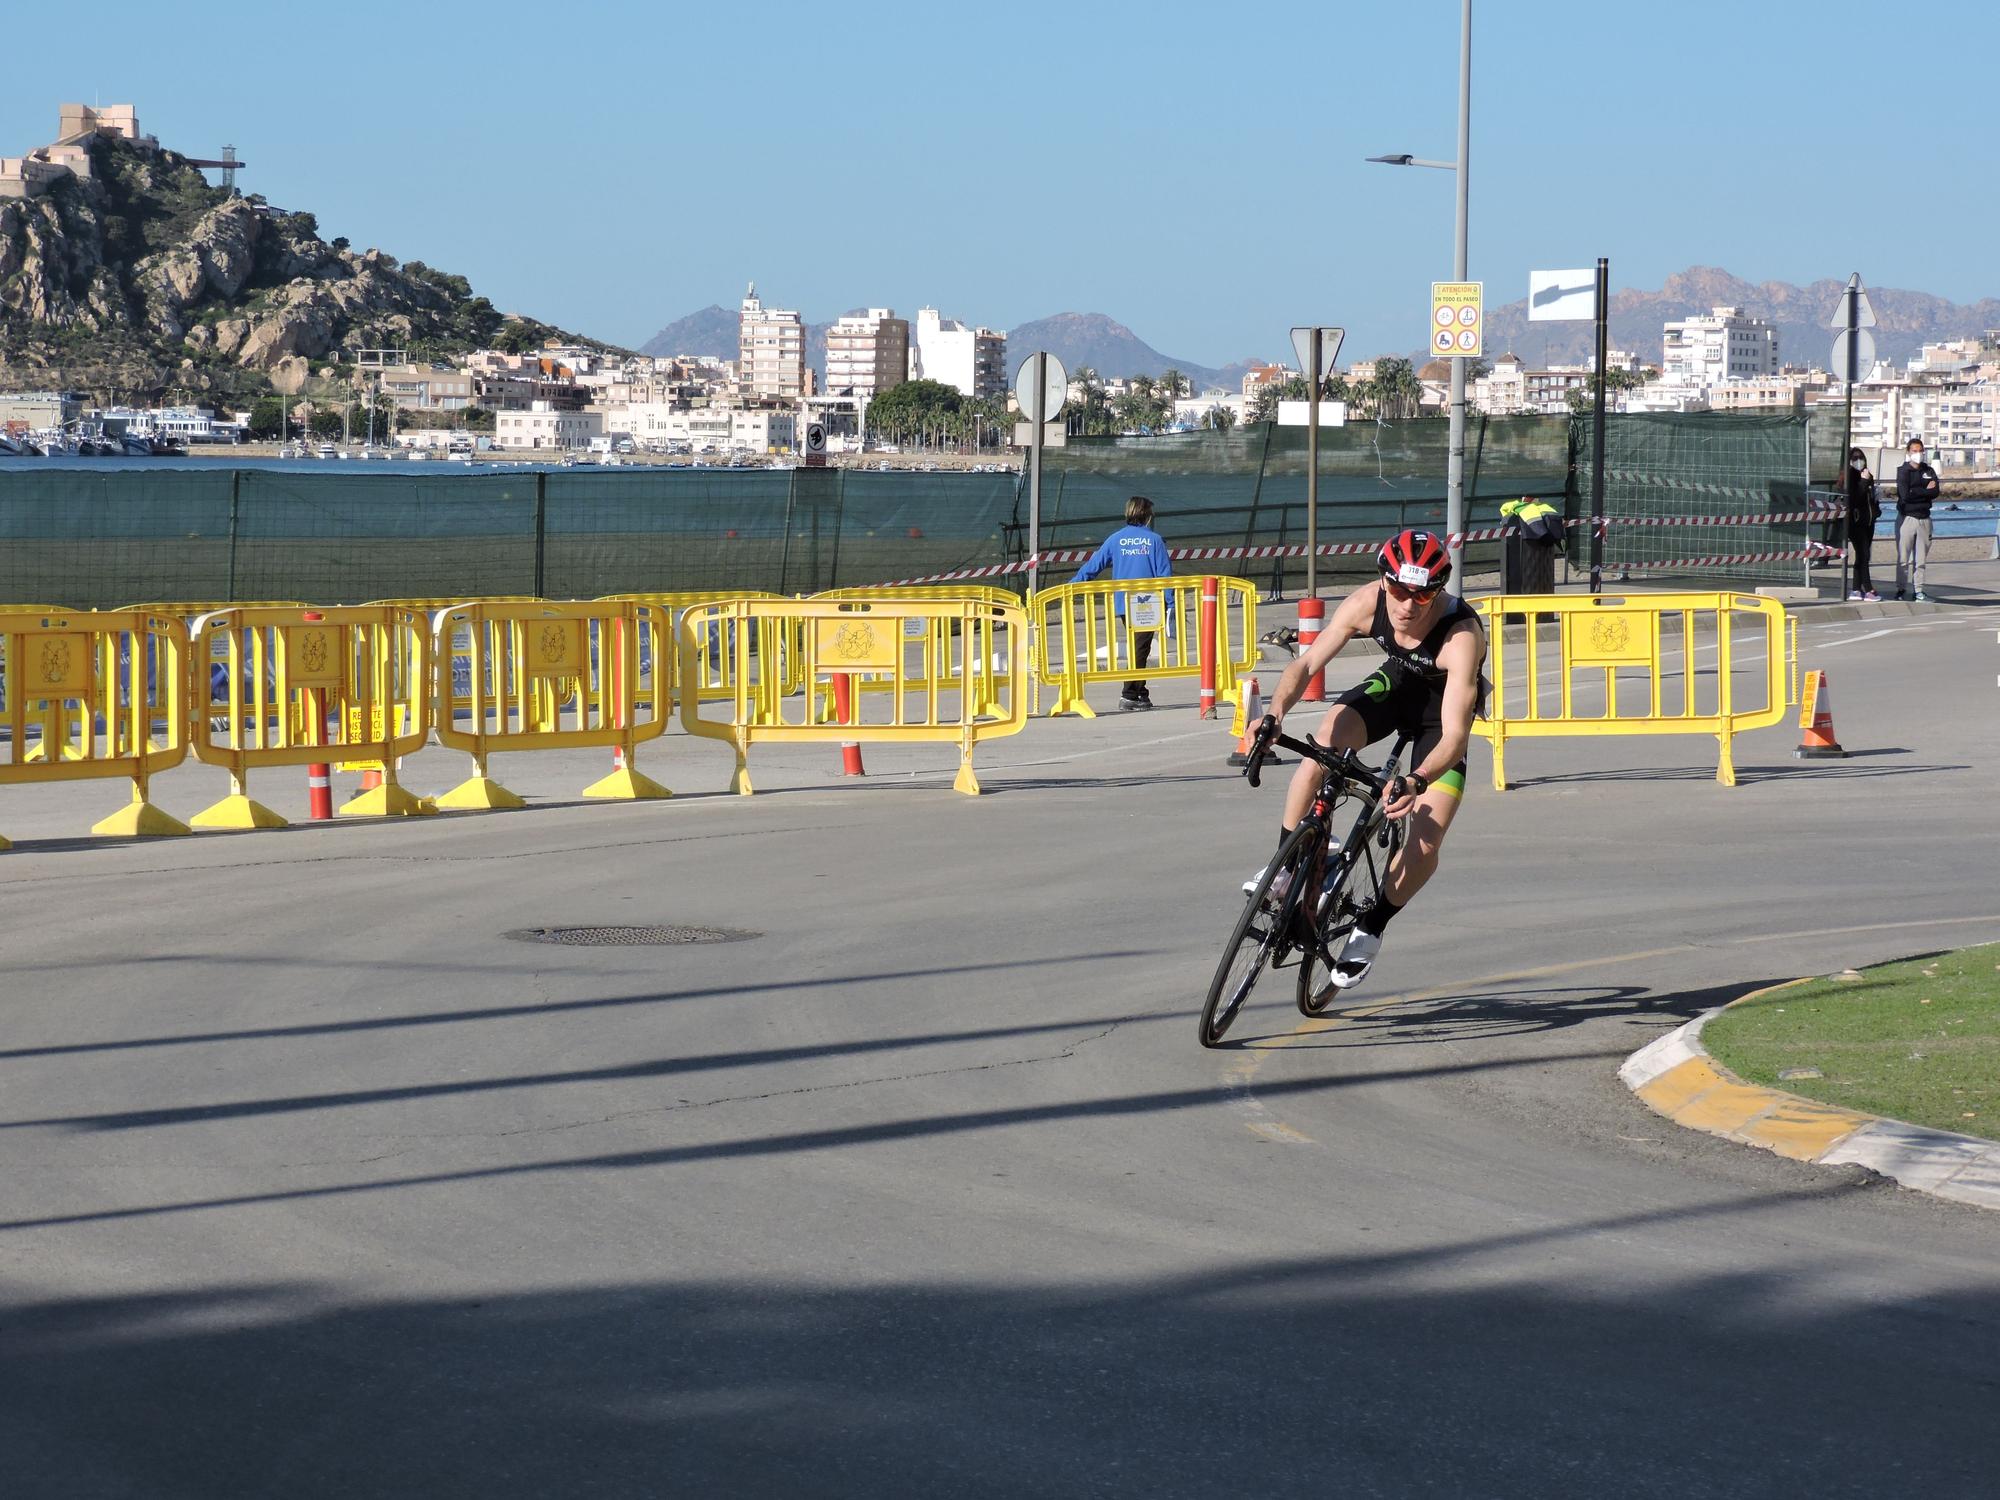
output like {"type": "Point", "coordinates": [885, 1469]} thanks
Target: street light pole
{"type": "Point", "coordinates": [1454, 481]}
{"type": "Point", "coordinates": [1454, 515]}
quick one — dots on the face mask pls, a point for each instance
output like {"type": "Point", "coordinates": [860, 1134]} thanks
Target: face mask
{"type": "Point", "coordinates": [1855, 463]}
{"type": "Point", "coordinates": [1916, 455]}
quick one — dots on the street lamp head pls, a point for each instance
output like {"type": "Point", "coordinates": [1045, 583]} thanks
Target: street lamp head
{"type": "Point", "coordinates": [1402, 160]}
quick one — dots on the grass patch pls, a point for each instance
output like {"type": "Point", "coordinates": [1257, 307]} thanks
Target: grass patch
{"type": "Point", "coordinates": [1916, 1041]}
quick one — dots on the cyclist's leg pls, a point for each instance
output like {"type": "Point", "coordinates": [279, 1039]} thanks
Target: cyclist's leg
{"type": "Point", "coordinates": [1423, 837]}
{"type": "Point", "coordinates": [1360, 716]}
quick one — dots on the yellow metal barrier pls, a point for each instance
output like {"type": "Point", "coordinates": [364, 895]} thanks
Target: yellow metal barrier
{"type": "Point", "coordinates": [1084, 634]}
{"type": "Point", "coordinates": [919, 646]}
{"type": "Point", "coordinates": [1628, 664]}
{"type": "Point", "coordinates": [770, 646]}
{"type": "Point", "coordinates": [989, 665]}
{"type": "Point", "coordinates": [533, 666]}
{"type": "Point", "coordinates": [302, 683]}
{"type": "Point", "coordinates": [106, 693]}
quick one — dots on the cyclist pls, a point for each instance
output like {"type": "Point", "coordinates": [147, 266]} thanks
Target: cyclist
{"type": "Point", "coordinates": [1430, 685]}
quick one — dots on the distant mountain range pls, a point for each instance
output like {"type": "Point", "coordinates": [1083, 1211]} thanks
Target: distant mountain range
{"type": "Point", "coordinates": [1905, 320]}
{"type": "Point", "coordinates": [1077, 339]}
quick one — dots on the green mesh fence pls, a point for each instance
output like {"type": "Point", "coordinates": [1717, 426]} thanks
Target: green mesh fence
{"type": "Point", "coordinates": [104, 537]}
{"type": "Point", "coordinates": [1702, 464]}
{"type": "Point", "coordinates": [1248, 487]}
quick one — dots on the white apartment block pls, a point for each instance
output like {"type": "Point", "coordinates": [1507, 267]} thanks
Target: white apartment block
{"type": "Point", "coordinates": [658, 424]}
{"type": "Point", "coordinates": [1510, 388]}
{"type": "Point", "coordinates": [973, 360]}
{"type": "Point", "coordinates": [773, 345]}
{"type": "Point", "coordinates": [542, 426]}
{"type": "Point", "coordinates": [427, 387]}
{"type": "Point", "coordinates": [1723, 345]}
{"type": "Point", "coordinates": [1780, 394]}
{"type": "Point", "coordinates": [867, 353]}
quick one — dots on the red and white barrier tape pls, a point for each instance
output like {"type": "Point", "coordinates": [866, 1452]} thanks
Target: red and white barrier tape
{"type": "Point", "coordinates": [1811, 549]}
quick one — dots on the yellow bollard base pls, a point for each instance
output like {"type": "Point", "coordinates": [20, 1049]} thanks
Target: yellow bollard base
{"type": "Point", "coordinates": [140, 820]}
{"type": "Point", "coordinates": [739, 781]}
{"type": "Point", "coordinates": [386, 802]}
{"type": "Point", "coordinates": [237, 811]}
{"type": "Point", "coordinates": [478, 794]}
{"type": "Point", "coordinates": [627, 785]}
{"type": "Point", "coordinates": [966, 782]}
{"type": "Point", "coordinates": [4, 844]}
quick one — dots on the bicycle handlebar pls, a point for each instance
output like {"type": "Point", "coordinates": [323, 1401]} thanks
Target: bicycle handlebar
{"type": "Point", "coordinates": [1342, 763]}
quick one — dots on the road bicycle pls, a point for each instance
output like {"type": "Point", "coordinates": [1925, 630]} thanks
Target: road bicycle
{"type": "Point", "coordinates": [1328, 870]}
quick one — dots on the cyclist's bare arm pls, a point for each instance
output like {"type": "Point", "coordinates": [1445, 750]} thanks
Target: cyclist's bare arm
{"type": "Point", "coordinates": [1462, 656]}
{"type": "Point", "coordinates": [1353, 616]}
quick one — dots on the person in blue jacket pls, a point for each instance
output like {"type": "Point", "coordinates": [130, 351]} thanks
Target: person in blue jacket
{"type": "Point", "coordinates": [1136, 551]}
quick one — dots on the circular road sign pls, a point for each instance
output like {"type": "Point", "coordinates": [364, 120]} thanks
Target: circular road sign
{"type": "Point", "coordinates": [815, 437]}
{"type": "Point", "coordinates": [1468, 340]}
{"type": "Point", "coordinates": [1443, 342]}
{"type": "Point", "coordinates": [1055, 388]}
{"type": "Point", "coordinates": [1444, 317]}
{"type": "Point", "coordinates": [1467, 315]}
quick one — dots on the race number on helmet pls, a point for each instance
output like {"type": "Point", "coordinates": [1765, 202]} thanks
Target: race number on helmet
{"type": "Point", "coordinates": [1415, 559]}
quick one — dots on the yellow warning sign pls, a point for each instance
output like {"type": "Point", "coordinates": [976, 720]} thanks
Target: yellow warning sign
{"type": "Point", "coordinates": [1458, 322]}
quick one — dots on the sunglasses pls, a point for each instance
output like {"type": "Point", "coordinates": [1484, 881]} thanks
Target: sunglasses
{"type": "Point", "coordinates": [1409, 595]}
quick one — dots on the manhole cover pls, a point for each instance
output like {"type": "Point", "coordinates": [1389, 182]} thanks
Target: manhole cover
{"type": "Point", "coordinates": [626, 937]}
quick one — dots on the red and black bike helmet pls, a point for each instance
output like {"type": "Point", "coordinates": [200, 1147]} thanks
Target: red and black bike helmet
{"type": "Point", "coordinates": [1415, 559]}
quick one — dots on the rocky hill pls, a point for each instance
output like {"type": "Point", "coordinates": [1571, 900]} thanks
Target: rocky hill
{"type": "Point", "coordinates": [1907, 320]}
{"type": "Point", "coordinates": [145, 279]}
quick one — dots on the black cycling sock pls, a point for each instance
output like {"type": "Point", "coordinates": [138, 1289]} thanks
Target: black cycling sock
{"type": "Point", "coordinates": [1283, 834]}
{"type": "Point", "coordinates": [1377, 916]}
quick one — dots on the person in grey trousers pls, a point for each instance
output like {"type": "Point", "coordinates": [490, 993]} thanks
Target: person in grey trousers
{"type": "Point", "coordinates": [1916, 489]}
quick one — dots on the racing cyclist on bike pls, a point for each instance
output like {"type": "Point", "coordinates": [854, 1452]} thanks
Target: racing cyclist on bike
{"type": "Point", "coordinates": [1430, 685]}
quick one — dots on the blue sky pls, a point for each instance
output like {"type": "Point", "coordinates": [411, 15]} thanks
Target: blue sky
{"type": "Point", "coordinates": [1195, 171]}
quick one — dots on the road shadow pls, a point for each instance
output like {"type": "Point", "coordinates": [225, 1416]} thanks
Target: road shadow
{"type": "Point", "coordinates": [1458, 1368]}
{"type": "Point", "coordinates": [1805, 770]}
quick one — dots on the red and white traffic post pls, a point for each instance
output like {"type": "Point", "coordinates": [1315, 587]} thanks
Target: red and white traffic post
{"type": "Point", "coordinates": [844, 705]}
{"type": "Point", "coordinates": [1312, 615]}
{"type": "Point", "coordinates": [1212, 647]}
{"type": "Point", "coordinates": [319, 775]}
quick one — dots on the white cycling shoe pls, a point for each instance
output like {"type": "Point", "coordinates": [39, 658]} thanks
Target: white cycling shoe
{"type": "Point", "coordinates": [1357, 957]}
{"type": "Point", "coordinates": [1280, 883]}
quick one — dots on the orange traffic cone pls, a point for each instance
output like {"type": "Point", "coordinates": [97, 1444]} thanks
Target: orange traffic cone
{"type": "Point", "coordinates": [1253, 715]}
{"type": "Point", "coordinates": [1816, 719]}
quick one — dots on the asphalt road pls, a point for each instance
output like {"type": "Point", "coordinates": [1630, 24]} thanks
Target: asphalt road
{"type": "Point", "coordinates": [316, 1184]}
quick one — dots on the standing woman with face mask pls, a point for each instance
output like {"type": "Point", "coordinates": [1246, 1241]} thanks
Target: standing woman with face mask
{"type": "Point", "coordinates": [1916, 488]}
{"type": "Point", "coordinates": [1863, 510]}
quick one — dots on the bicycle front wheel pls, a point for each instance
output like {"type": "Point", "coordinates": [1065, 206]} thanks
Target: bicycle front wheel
{"type": "Point", "coordinates": [1262, 934]}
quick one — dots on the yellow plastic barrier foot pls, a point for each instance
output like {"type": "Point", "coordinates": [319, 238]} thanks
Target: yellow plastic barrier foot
{"type": "Point", "coordinates": [1071, 702]}
{"type": "Point", "coordinates": [627, 785]}
{"type": "Point", "coordinates": [479, 793]}
{"type": "Point", "coordinates": [386, 801]}
{"type": "Point", "coordinates": [4, 844]}
{"type": "Point", "coordinates": [966, 782]}
{"type": "Point", "coordinates": [237, 811]}
{"type": "Point", "coordinates": [739, 781]}
{"type": "Point", "coordinates": [140, 820]}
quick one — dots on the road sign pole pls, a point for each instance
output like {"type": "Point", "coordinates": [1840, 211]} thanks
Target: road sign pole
{"type": "Point", "coordinates": [1454, 480]}
{"type": "Point", "coordinates": [1035, 474]}
{"type": "Point", "coordinates": [1312, 464]}
{"type": "Point", "coordinates": [1597, 428]}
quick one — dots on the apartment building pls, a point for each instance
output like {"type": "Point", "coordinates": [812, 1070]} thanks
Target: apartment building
{"type": "Point", "coordinates": [1511, 388]}
{"type": "Point", "coordinates": [1779, 394]}
{"type": "Point", "coordinates": [428, 387]}
{"type": "Point", "coordinates": [773, 348]}
{"type": "Point", "coordinates": [972, 360]}
{"type": "Point", "coordinates": [867, 353]}
{"type": "Point", "coordinates": [656, 424]}
{"type": "Point", "coordinates": [544, 425]}
{"type": "Point", "coordinates": [1714, 347]}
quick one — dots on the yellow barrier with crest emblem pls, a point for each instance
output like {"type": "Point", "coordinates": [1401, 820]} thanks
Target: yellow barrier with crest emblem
{"type": "Point", "coordinates": [1629, 664]}
{"type": "Point", "coordinates": [928, 693]}
{"type": "Point", "coordinates": [1085, 634]}
{"type": "Point", "coordinates": [548, 676]}
{"type": "Point", "coordinates": [301, 683]}
{"type": "Point", "coordinates": [106, 695]}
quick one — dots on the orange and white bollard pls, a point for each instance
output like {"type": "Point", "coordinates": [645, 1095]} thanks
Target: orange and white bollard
{"type": "Point", "coordinates": [843, 710]}
{"type": "Point", "coordinates": [1312, 615]}
{"type": "Point", "coordinates": [1210, 647]}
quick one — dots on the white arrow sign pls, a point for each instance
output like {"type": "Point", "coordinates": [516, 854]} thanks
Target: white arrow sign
{"type": "Point", "coordinates": [1562, 296]}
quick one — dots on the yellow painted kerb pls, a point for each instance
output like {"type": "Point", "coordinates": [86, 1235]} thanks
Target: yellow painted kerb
{"type": "Point", "coordinates": [1703, 1095]}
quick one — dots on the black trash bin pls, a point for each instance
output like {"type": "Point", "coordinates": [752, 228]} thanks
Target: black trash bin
{"type": "Point", "coordinates": [1527, 565]}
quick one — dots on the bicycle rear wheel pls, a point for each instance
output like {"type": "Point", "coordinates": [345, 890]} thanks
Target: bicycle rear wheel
{"type": "Point", "coordinates": [1356, 877]}
{"type": "Point", "coordinates": [1262, 935]}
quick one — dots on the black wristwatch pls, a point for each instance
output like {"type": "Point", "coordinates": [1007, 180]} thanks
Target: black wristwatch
{"type": "Point", "coordinates": [1415, 784]}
